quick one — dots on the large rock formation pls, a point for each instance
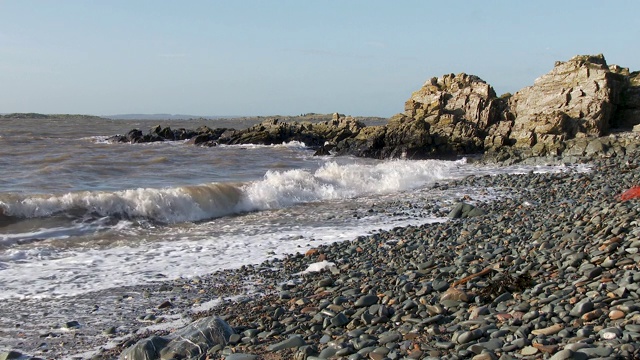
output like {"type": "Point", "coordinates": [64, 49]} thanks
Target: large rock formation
{"type": "Point", "coordinates": [577, 98]}
{"type": "Point", "coordinates": [458, 108]}
{"type": "Point", "coordinates": [453, 115]}
{"type": "Point", "coordinates": [628, 112]}
{"type": "Point", "coordinates": [449, 115]}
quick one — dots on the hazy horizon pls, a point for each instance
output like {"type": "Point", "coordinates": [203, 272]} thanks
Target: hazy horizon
{"type": "Point", "coordinates": [255, 58]}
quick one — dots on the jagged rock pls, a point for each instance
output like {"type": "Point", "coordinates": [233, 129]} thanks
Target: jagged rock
{"type": "Point", "coordinates": [8, 355]}
{"type": "Point", "coordinates": [134, 136]}
{"type": "Point", "coordinates": [145, 349]}
{"type": "Point", "coordinates": [406, 137]}
{"type": "Point", "coordinates": [464, 210]}
{"type": "Point", "coordinates": [193, 340]}
{"type": "Point", "coordinates": [577, 97]}
{"type": "Point", "coordinates": [272, 131]}
{"type": "Point", "coordinates": [459, 109]}
{"type": "Point", "coordinates": [628, 112]}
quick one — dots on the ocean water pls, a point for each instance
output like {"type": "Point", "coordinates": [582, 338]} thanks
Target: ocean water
{"type": "Point", "coordinates": [79, 214]}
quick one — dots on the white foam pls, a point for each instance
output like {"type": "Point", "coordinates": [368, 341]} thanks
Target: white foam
{"type": "Point", "coordinates": [75, 271]}
{"type": "Point", "coordinates": [169, 205]}
{"type": "Point", "coordinates": [318, 266]}
{"type": "Point", "coordinates": [335, 181]}
{"type": "Point", "coordinates": [289, 145]}
{"type": "Point", "coordinates": [202, 248]}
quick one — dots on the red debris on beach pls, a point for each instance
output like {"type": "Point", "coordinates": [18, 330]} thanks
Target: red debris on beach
{"type": "Point", "coordinates": [632, 193]}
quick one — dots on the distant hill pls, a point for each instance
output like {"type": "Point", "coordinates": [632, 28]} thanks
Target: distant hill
{"type": "Point", "coordinates": [48, 116]}
{"type": "Point", "coordinates": [163, 117]}
{"type": "Point", "coordinates": [308, 117]}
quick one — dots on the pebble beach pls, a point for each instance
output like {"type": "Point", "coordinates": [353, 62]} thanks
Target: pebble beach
{"type": "Point", "coordinates": [549, 271]}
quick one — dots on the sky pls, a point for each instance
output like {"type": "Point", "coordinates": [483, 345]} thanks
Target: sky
{"type": "Point", "coordinates": [281, 57]}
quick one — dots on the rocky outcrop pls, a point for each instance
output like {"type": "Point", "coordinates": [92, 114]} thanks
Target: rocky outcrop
{"type": "Point", "coordinates": [577, 98]}
{"type": "Point", "coordinates": [458, 108]}
{"type": "Point", "coordinates": [628, 112]}
{"type": "Point", "coordinates": [158, 133]}
{"type": "Point", "coordinates": [448, 116]}
{"type": "Point", "coordinates": [273, 131]}
{"type": "Point", "coordinates": [582, 98]}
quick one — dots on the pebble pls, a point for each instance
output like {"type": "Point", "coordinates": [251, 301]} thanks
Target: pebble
{"type": "Point", "coordinates": [366, 300]}
{"type": "Point", "coordinates": [292, 342]}
{"type": "Point", "coordinates": [553, 329]}
{"type": "Point", "coordinates": [529, 350]}
{"type": "Point", "coordinates": [616, 314]}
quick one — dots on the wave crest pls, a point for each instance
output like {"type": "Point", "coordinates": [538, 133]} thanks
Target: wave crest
{"type": "Point", "coordinates": [277, 189]}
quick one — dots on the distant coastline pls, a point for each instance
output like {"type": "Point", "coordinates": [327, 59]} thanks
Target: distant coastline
{"type": "Point", "coordinates": [48, 116]}
{"type": "Point", "coordinates": [312, 117]}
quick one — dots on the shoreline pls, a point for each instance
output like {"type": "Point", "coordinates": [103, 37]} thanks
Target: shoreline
{"type": "Point", "coordinates": [542, 229]}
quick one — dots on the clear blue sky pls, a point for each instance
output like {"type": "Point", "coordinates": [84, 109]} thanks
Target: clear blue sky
{"type": "Point", "coordinates": [235, 57]}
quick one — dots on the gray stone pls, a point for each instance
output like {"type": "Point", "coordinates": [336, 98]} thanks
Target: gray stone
{"type": "Point", "coordinates": [440, 285]}
{"type": "Point", "coordinates": [581, 308]}
{"type": "Point", "coordinates": [240, 356]}
{"type": "Point", "coordinates": [340, 320]}
{"type": "Point", "coordinates": [366, 300]}
{"type": "Point", "coordinates": [192, 340]}
{"type": "Point", "coordinates": [568, 355]}
{"type": "Point", "coordinates": [10, 355]}
{"type": "Point", "coordinates": [469, 336]}
{"type": "Point", "coordinates": [594, 352]}
{"type": "Point", "coordinates": [294, 341]}
{"type": "Point", "coordinates": [145, 349]}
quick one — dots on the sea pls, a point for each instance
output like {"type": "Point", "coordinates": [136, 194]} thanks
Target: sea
{"type": "Point", "coordinates": [79, 213]}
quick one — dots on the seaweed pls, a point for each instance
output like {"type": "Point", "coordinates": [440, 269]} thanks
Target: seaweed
{"type": "Point", "coordinates": [505, 283]}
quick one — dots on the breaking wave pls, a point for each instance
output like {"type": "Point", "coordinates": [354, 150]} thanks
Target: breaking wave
{"type": "Point", "coordinates": [207, 201]}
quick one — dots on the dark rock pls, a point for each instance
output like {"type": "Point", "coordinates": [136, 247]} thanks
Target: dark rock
{"type": "Point", "coordinates": [464, 210]}
{"type": "Point", "coordinates": [194, 339]}
{"type": "Point", "coordinates": [145, 349]}
{"type": "Point", "coordinates": [366, 300]}
{"type": "Point", "coordinates": [294, 341]}
{"type": "Point", "coordinates": [165, 304]}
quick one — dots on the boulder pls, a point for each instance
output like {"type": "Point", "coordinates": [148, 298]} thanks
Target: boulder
{"type": "Point", "coordinates": [191, 341]}
{"type": "Point", "coordinates": [628, 112]}
{"type": "Point", "coordinates": [272, 131]}
{"type": "Point", "coordinates": [368, 142]}
{"type": "Point", "coordinates": [577, 97]}
{"type": "Point", "coordinates": [463, 210]}
{"type": "Point", "coordinates": [458, 109]}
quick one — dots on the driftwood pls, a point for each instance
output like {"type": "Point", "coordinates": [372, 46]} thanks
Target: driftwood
{"type": "Point", "coordinates": [466, 279]}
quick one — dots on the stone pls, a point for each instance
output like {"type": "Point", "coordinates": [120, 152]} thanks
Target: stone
{"type": "Point", "coordinates": [616, 314]}
{"type": "Point", "coordinates": [440, 285]}
{"type": "Point", "coordinates": [366, 300]}
{"type": "Point", "coordinates": [294, 341]}
{"type": "Point", "coordinates": [550, 330]}
{"type": "Point", "coordinates": [454, 294]}
{"type": "Point", "coordinates": [240, 356]}
{"type": "Point", "coordinates": [9, 355]}
{"type": "Point", "coordinates": [340, 320]}
{"type": "Point", "coordinates": [581, 308]}
{"type": "Point", "coordinates": [529, 350]}
{"type": "Point", "coordinates": [469, 336]}
{"type": "Point", "coordinates": [568, 355]}
{"type": "Point", "coordinates": [145, 349]}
